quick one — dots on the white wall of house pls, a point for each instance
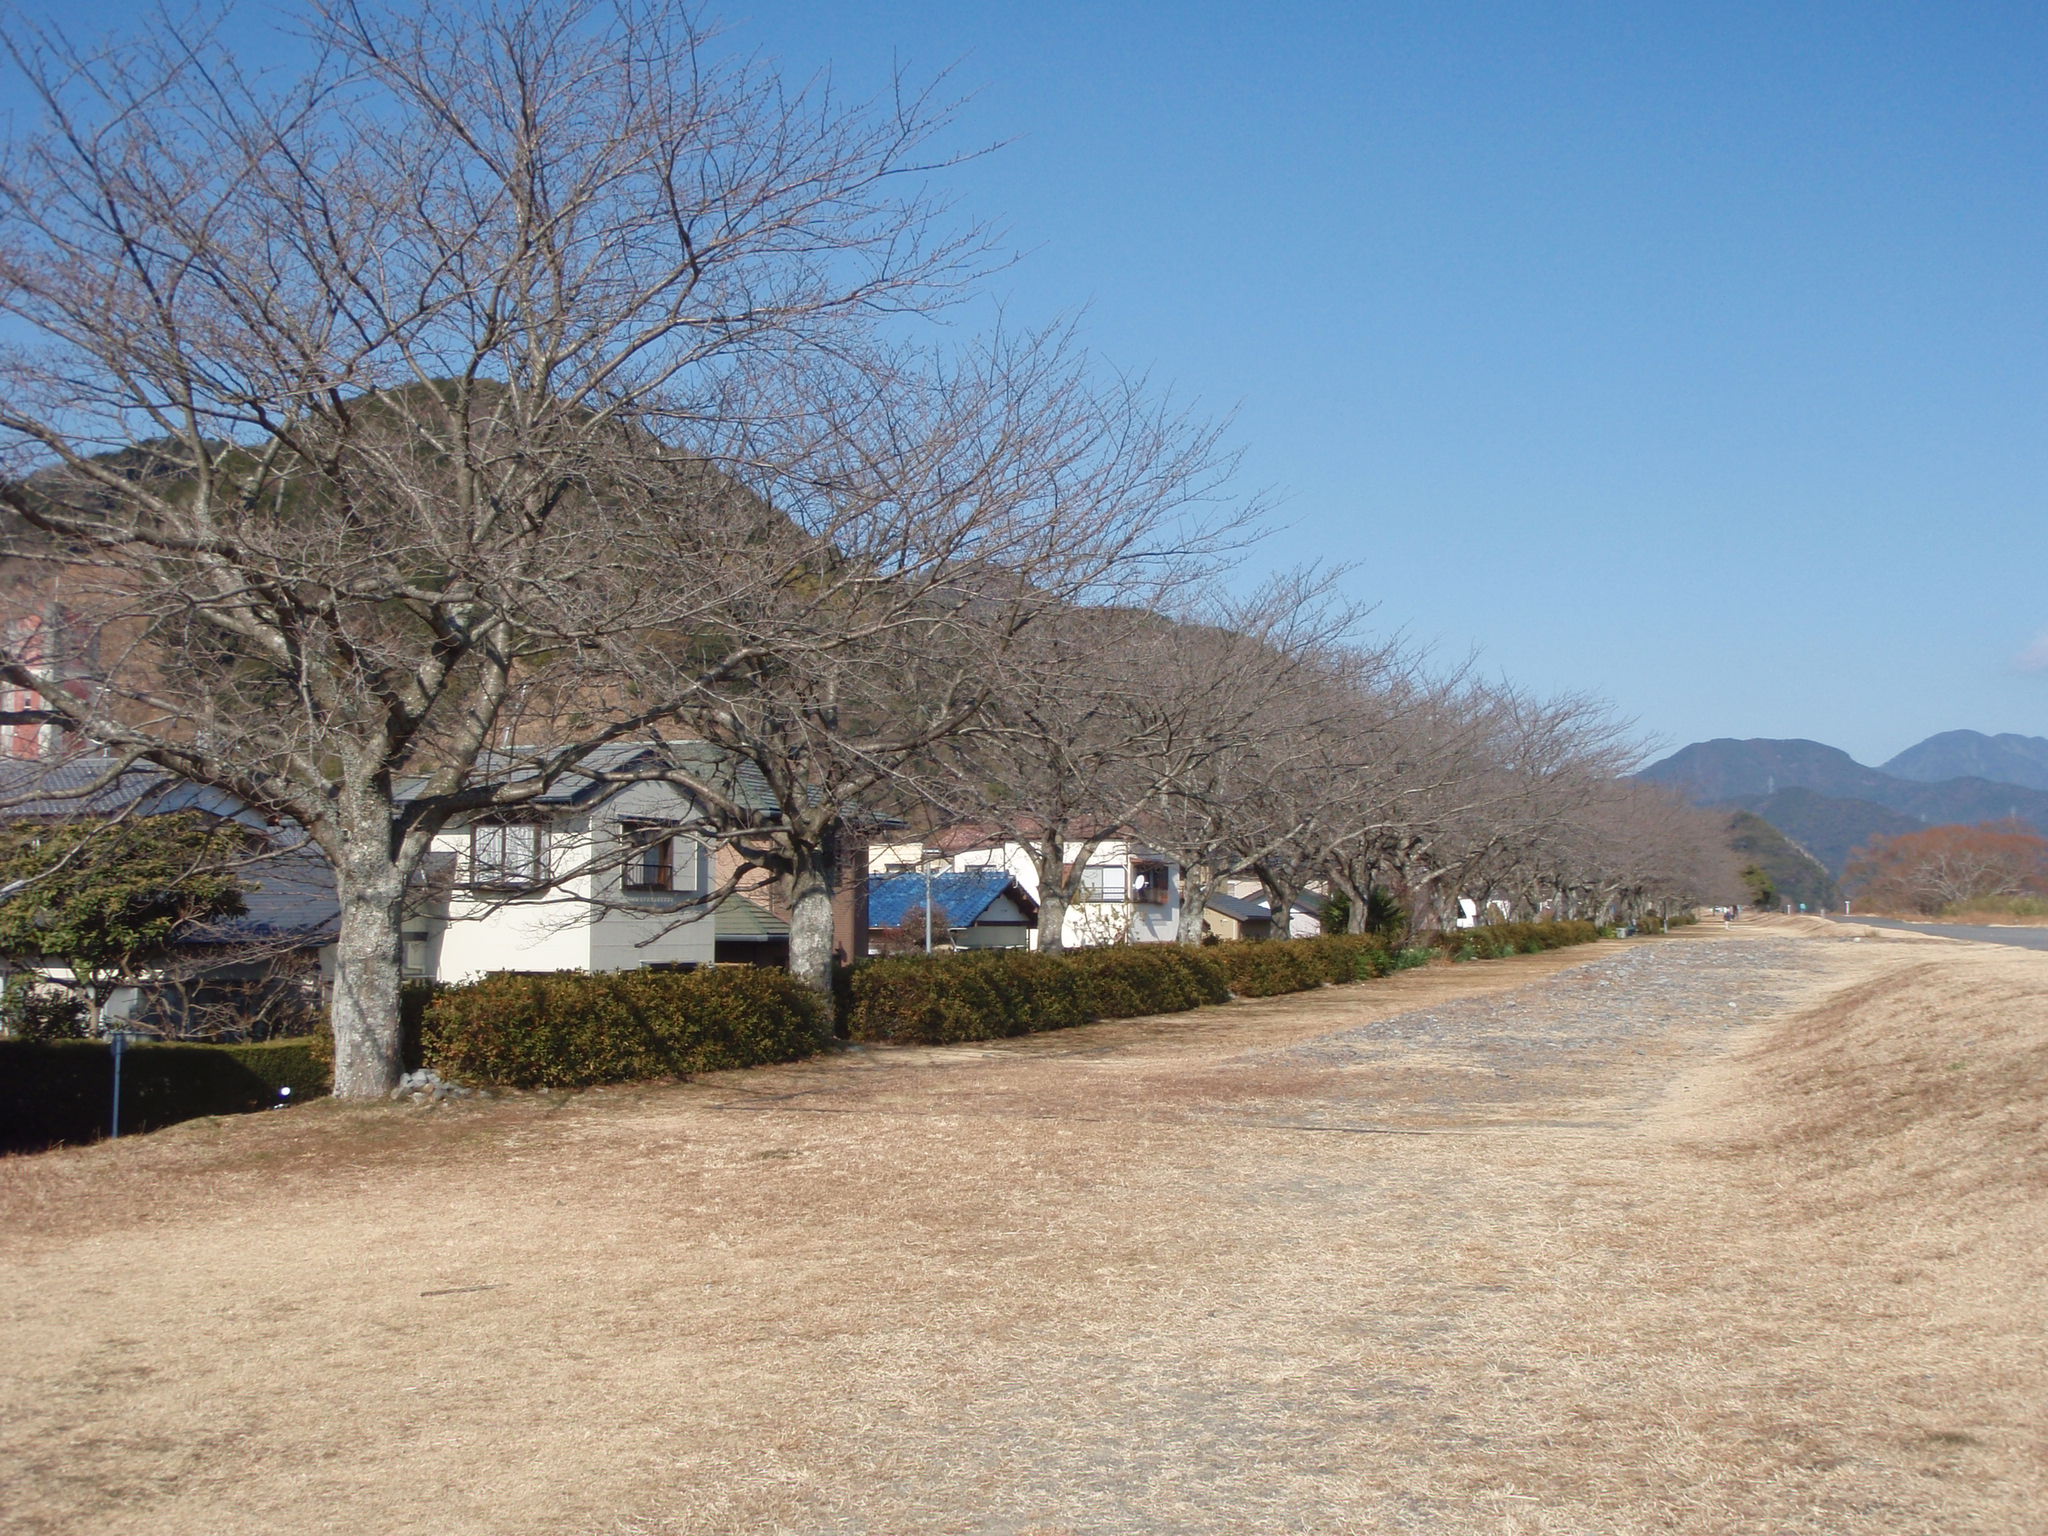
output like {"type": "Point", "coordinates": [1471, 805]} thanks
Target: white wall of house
{"type": "Point", "coordinates": [1002, 925]}
{"type": "Point", "coordinates": [587, 921]}
{"type": "Point", "coordinates": [1115, 918]}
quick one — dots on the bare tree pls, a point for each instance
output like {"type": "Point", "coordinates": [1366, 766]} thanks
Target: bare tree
{"type": "Point", "coordinates": [370, 413]}
{"type": "Point", "coordinates": [1086, 725]}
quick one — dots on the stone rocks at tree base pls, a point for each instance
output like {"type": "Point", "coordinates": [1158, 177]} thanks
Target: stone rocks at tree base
{"type": "Point", "coordinates": [427, 1087]}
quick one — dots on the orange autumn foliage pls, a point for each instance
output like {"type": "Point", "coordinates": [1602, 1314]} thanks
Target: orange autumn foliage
{"type": "Point", "coordinates": [1948, 866]}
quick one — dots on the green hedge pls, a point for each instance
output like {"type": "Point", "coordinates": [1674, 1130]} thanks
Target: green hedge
{"type": "Point", "coordinates": [992, 994]}
{"type": "Point", "coordinates": [1128, 981]}
{"type": "Point", "coordinates": [1495, 941]}
{"type": "Point", "coordinates": [61, 1091]}
{"type": "Point", "coordinates": [573, 1029]}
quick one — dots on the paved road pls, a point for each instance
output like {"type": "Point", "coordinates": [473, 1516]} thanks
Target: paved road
{"type": "Point", "coordinates": [2022, 938]}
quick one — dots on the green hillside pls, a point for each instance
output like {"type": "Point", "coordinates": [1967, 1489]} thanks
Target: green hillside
{"type": "Point", "coordinates": [1794, 874]}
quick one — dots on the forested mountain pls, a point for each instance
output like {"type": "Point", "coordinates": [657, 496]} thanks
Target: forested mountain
{"type": "Point", "coordinates": [1825, 826]}
{"type": "Point", "coordinates": [1831, 804]}
{"type": "Point", "coordinates": [1711, 772]}
{"type": "Point", "coordinates": [2003, 759]}
{"type": "Point", "coordinates": [1793, 873]}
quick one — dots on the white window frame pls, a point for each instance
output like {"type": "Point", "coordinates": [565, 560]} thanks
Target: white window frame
{"type": "Point", "coordinates": [508, 855]}
{"type": "Point", "coordinates": [1107, 884]}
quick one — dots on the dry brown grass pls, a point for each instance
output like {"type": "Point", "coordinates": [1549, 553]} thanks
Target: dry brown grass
{"type": "Point", "coordinates": [1103, 1281]}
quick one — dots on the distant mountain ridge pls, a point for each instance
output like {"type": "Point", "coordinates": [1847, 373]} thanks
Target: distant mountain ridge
{"type": "Point", "coordinates": [1830, 804]}
{"type": "Point", "coordinates": [2003, 759]}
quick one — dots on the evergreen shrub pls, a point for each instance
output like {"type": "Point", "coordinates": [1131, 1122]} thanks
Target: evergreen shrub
{"type": "Point", "coordinates": [1265, 968]}
{"type": "Point", "coordinates": [1128, 981]}
{"type": "Point", "coordinates": [1494, 941]}
{"type": "Point", "coordinates": [573, 1029]}
{"type": "Point", "coordinates": [984, 994]}
{"type": "Point", "coordinates": [993, 994]}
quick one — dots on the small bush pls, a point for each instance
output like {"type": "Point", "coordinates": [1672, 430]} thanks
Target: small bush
{"type": "Point", "coordinates": [31, 1009]}
{"type": "Point", "coordinates": [58, 1092]}
{"type": "Point", "coordinates": [573, 1029]}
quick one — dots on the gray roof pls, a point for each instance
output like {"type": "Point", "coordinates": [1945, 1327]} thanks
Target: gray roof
{"type": "Point", "coordinates": [37, 791]}
{"type": "Point", "coordinates": [1241, 909]}
{"type": "Point", "coordinates": [740, 919]}
{"type": "Point", "coordinates": [588, 782]}
{"type": "Point", "coordinates": [1244, 909]}
{"type": "Point", "coordinates": [289, 896]}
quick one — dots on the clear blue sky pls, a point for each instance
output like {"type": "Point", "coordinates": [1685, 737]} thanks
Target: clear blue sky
{"type": "Point", "coordinates": [1691, 355]}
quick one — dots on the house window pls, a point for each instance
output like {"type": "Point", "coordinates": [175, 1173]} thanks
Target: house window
{"type": "Point", "coordinates": [1105, 882]}
{"type": "Point", "coordinates": [659, 857]}
{"type": "Point", "coordinates": [650, 856]}
{"type": "Point", "coordinates": [416, 956]}
{"type": "Point", "coordinates": [1150, 885]}
{"type": "Point", "coordinates": [507, 855]}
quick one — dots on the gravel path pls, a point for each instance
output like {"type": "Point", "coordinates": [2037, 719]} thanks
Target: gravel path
{"type": "Point", "coordinates": [1601, 1041]}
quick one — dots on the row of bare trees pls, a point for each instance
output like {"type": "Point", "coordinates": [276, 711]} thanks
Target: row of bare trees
{"type": "Point", "coordinates": [511, 383]}
{"type": "Point", "coordinates": [1260, 740]}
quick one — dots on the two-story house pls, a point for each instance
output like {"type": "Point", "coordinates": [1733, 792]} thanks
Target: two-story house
{"type": "Point", "coordinates": [599, 872]}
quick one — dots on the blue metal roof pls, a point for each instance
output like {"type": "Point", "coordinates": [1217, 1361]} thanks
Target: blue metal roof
{"type": "Point", "coordinates": [965, 894]}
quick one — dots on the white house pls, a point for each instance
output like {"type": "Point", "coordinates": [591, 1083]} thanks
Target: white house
{"type": "Point", "coordinates": [592, 875]}
{"type": "Point", "coordinates": [1130, 894]}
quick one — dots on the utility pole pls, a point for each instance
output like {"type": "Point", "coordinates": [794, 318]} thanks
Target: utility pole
{"type": "Point", "coordinates": [119, 1041]}
{"type": "Point", "coordinates": [925, 862]}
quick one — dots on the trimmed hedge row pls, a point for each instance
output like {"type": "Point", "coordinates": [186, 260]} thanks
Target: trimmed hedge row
{"type": "Point", "coordinates": [1268, 969]}
{"type": "Point", "coordinates": [1495, 941]}
{"type": "Point", "coordinates": [991, 994]}
{"type": "Point", "coordinates": [59, 1092]}
{"type": "Point", "coordinates": [571, 1029]}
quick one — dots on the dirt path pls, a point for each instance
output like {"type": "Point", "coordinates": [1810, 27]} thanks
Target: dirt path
{"type": "Point", "coordinates": [1519, 1247]}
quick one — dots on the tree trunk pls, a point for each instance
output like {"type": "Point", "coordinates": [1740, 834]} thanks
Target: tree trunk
{"type": "Point", "coordinates": [1052, 896]}
{"type": "Point", "coordinates": [1195, 885]}
{"type": "Point", "coordinates": [811, 926]}
{"type": "Point", "coordinates": [1358, 904]}
{"type": "Point", "coordinates": [1280, 898]}
{"type": "Point", "coordinates": [367, 1059]}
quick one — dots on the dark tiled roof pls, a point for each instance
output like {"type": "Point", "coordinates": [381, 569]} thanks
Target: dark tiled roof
{"type": "Point", "coordinates": [1240, 909]}
{"type": "Point", "coordinates": [739, 919]}
{"type": "Point", "coordinates": [290, 897]}
{"type": "Point", "coordinates": [36, 791]}
{"type": "Point", "coordinates": [588, 782]}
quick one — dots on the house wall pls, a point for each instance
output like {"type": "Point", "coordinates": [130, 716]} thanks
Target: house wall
{"type": "Point", "coordinates": [587, 922]}
{"type": "Point", "coordinates": [547, 932]}
{"type": "Point", "coordinates": [635, 928]}
{"type": "Point", "coordinates": [1094, 922]}
{"type": "Point", "coordinates": [849, 900]}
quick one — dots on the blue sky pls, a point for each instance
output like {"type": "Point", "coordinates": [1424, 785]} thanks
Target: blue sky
{"type": "Point", "coordinates": [1690, 355]}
